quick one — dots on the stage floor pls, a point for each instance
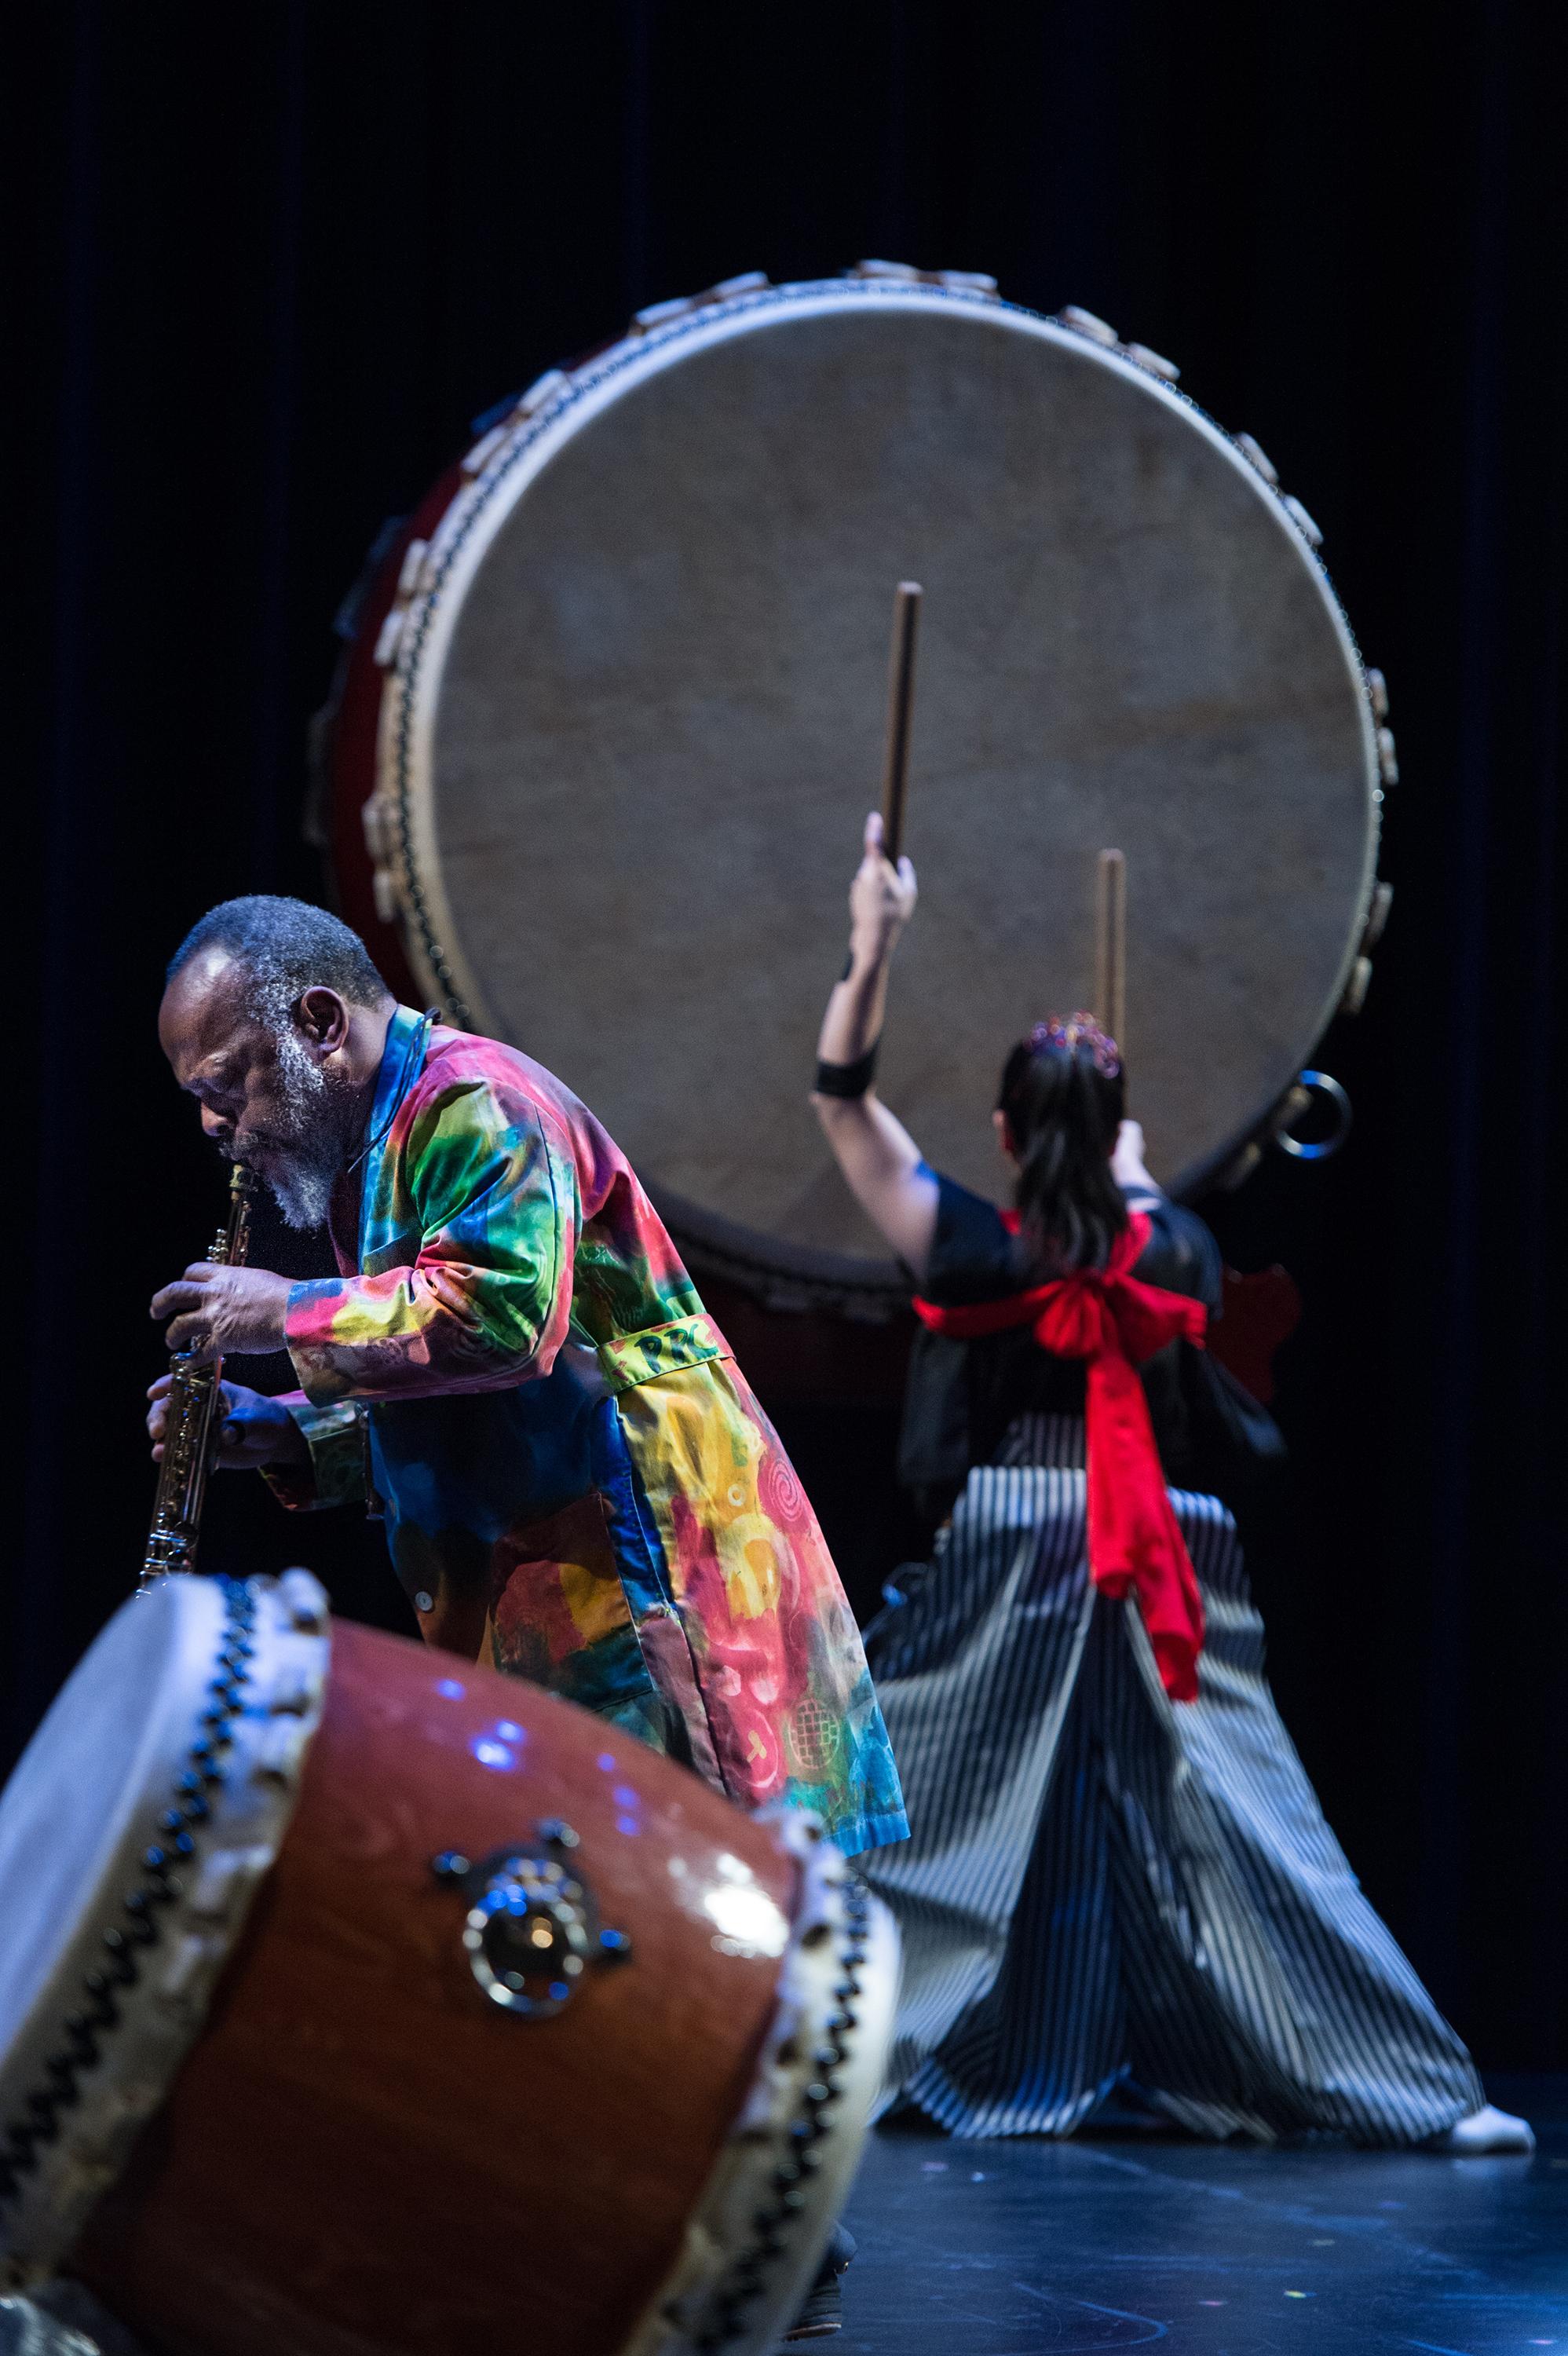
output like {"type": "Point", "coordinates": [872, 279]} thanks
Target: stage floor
{"type": "Point", "coordinates": [1031, 2248]}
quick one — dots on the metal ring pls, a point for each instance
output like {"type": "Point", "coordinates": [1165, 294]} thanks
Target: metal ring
{"type": "Point", "coordinates": [1327, 1086]}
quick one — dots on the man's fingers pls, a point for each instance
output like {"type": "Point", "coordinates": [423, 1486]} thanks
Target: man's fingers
{"type": "Point", "coordinates": [186, 1289]}
{"type": "Point", "coordinates": [162, 1387]}
{"type": "Point", "coordinates": [191, 1335]}
{"type": "Point", "coordinates": [181, 1294]}
{"type": "Point", "coordinates": [873, 833]}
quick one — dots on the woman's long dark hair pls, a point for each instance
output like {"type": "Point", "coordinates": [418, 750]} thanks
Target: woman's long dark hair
{"type": "Point", "coordinates": [1063, 1093]}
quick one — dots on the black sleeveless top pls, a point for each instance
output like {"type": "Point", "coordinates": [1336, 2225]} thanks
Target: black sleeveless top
{"type": "Point", "coordinates": [963, 1396]}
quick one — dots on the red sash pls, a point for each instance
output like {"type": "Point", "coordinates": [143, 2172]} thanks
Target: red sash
{"type": "Point", "coordinates": [1107, 1317]}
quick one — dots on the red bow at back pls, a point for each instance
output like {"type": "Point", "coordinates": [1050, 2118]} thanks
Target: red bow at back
{"type": "Point", "coordinates": [1110, 1319]}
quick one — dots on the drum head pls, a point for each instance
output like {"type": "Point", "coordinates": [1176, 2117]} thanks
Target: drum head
{"type": "Point", "coordinates": [87, 1787]}
{"type": "Point", "coordinates": [142, 1816]}
{"type": "Point", "coordinates": [638, 714]}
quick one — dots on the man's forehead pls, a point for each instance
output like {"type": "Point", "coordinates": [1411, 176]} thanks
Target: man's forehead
{"type": "Point", "coordinates": [206, 1015]}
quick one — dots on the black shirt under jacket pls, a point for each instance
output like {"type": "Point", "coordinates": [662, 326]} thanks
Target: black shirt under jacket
{"type": "Point", "coordinates": [962, 1397]}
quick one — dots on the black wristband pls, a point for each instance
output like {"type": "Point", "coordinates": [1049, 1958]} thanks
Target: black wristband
{"type": "Point", "coordinates": [849, 1080]}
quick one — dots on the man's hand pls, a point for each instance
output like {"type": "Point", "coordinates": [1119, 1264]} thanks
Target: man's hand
{"type": "Point", "coordinates": [254, 1431]}
{"type": "Point", "coordinates": [217, 1310]}
{"type": "Point", "coordinates": [882, 898]}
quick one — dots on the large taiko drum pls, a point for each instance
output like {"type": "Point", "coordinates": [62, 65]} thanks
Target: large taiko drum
{"type": "Point", "coordinates": [613, 718]}
{"type": "Point", "coordinates": [355, 2002]}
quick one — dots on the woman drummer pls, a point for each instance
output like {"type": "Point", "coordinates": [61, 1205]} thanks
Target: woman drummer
{"type": "Point", "coordinates": [1118, 1874]}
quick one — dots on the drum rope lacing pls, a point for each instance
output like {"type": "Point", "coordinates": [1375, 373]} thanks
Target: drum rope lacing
{"type": "Point", "coordinates": [38, 2121]}
{"type": "Point", "coordinates": [770, 2223]}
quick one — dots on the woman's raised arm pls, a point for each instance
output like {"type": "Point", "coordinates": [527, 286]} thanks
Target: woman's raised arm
{"type": "Point", "coordinates": [880, 1161]}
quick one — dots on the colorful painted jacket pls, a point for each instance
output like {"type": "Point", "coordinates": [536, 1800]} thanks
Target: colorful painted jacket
{"type": "Point", "coordinates": [578, 1482]}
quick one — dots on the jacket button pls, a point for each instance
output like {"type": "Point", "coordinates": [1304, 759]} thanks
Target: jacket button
{"type": "Point", "coordinates": [423, 1603]}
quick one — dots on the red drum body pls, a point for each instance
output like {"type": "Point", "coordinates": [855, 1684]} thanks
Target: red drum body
{"type": "Point", "coordinates": [522, 2042]}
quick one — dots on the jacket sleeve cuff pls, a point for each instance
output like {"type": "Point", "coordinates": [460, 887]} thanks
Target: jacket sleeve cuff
{"type": "Point", "coordinates": [308, 1336]}
{"type": "Point", "coordinates": [334, 1475]}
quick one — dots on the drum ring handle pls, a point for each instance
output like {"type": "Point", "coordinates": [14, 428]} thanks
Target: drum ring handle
{"type": "Point", "coordinates": [532, 1890]}
{"type": "Point", "coordinates": [1324, 1147]}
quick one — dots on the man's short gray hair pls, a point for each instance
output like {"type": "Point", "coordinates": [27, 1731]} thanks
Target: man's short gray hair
{"type": "Point", "coordinates": [286, 947]}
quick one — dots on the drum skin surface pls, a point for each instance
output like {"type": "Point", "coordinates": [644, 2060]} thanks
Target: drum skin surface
{"type": "Point", "coordinates": [96, 1749]}
{"type": "Point", "coordinates": [633, 722]}
{"type": "Point", "coordinates": [363, 2155]}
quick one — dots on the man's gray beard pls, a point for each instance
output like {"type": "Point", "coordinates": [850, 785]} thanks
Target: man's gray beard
{"type": "Point", "coordinates": [315, 1141]}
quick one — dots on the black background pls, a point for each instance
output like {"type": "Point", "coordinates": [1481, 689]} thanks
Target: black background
{"type": "Point", "coordinates": [271, 261]}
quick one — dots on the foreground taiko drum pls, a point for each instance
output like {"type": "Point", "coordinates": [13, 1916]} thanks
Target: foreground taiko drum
{"type": "Point", "coordinates": [357, 2002]}
{"type": "Point", "coordinates": [613, 720]}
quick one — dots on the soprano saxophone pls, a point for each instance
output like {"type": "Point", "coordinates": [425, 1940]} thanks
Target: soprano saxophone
{"type": "Point", "coordinates": [195, 1400]}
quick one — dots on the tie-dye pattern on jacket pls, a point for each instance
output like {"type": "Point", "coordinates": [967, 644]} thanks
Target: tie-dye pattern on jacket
{"type": "Point", "coordinates": [577, 1481]}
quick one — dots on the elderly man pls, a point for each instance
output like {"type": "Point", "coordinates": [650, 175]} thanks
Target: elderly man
{"type": "Point", "coordinates": [514, 1367]}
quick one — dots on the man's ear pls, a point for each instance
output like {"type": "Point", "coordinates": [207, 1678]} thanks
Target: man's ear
{"type": "Point", "coordinates": [324, 1018]}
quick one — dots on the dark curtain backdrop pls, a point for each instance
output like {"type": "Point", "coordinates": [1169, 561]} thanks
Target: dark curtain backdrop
{"type": "Point", "coordinates": [269, 262]}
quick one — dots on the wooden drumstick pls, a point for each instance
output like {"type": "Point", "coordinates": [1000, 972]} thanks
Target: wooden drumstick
{"type": "Point", "coordinates": [900, 696]}
{"type": "Point", "coordinates": [1111, 947]}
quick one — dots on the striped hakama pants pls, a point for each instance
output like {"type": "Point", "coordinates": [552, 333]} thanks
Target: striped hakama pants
{"type": "Point", "coordinates": [1103, 1886]}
